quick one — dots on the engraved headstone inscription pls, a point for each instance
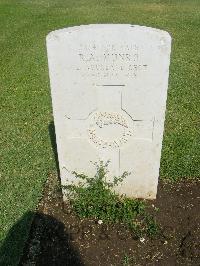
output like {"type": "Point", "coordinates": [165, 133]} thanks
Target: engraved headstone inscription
{"type": "Point", "coordinates": [109, 90]}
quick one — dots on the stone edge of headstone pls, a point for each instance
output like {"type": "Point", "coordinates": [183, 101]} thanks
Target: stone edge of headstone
{"type": "Point", "coordinates": [55, 34]}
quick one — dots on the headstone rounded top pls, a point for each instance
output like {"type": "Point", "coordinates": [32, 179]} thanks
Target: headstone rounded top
{"type": "Point", "coordinates": [137, 28]}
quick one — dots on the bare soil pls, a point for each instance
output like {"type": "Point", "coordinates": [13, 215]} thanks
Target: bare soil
{"type": "Point", "coordinates": [58, 237]}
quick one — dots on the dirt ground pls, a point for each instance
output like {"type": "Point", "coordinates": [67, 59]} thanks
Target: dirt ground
{"type": "Point", "coordinates": [57, 237]}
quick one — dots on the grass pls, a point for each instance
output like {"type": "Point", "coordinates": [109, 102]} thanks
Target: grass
{"type": "Point", "coordinates": [27, 156]}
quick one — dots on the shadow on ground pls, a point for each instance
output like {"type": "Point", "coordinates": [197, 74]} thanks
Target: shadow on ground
{"type": "Point", "coordinates": [52, 135]}
{"type": "Point", "coordinates": [12, 246]}
{"type": "Point", "coordinates": [47, 237]}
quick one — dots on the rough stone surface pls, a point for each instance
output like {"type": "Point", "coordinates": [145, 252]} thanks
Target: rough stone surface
{"type": "Point", "coordinates": [109, 90]}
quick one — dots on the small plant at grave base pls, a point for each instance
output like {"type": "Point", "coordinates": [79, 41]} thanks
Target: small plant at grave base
{"type": "Point", "coordinates": [127, 261]}
{"type": "Point", "coordinates": [94, 197]}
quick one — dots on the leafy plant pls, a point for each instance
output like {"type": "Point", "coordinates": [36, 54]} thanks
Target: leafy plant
{"type": "Point", "coordinates": [127, 260]}
{"type": "Point", "coordinates": [94, 197]}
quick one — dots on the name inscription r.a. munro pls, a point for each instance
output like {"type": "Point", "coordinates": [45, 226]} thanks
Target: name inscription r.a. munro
{"type": "Point", "coordinates": [110, 61]}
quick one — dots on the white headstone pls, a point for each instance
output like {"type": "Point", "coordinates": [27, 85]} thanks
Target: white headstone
{"type": "Point", "coordinates": [109, 90]}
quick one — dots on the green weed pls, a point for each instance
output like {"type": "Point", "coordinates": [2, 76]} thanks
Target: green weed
{"type": "Point", "coordinates": [94, 197]}
{"type": "Point", "coordinates": [127, 261]}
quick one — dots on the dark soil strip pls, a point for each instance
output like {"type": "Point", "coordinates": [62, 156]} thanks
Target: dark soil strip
{"type": "Point", "coordinates": [57, 237]}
